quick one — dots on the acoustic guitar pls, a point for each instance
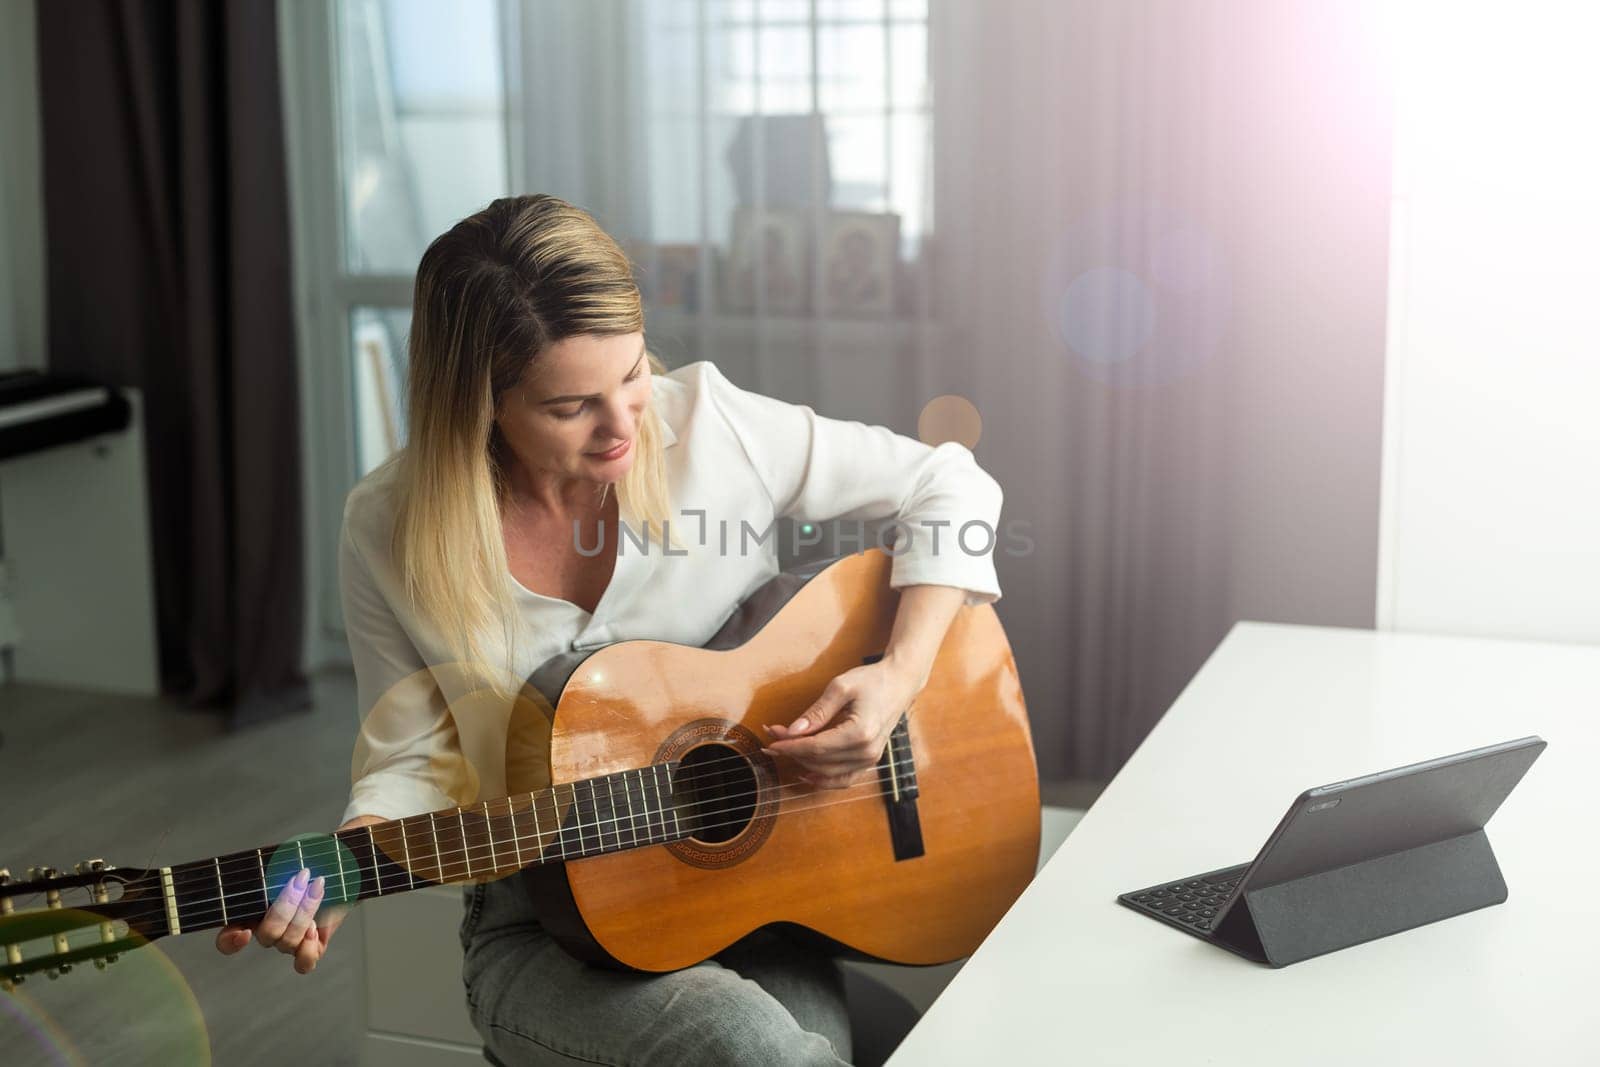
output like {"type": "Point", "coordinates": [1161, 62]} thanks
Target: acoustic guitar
{"type": "Point", "coordinates": [669, 834]}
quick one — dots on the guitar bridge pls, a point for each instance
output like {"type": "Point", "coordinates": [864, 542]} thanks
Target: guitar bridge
{"type": "Point", "coordinates": [897, 774]}
{"type": "Point", "coordinates": [897, 771]}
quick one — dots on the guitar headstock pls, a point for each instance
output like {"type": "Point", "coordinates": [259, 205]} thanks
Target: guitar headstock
{"type": "Point", "coordinates": [50, 920]}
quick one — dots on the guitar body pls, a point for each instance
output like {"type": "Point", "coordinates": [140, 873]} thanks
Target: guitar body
{"type": "Point", "coordinates": [669, 834]}
{"type": "Point", "coordinates": [914, 868]}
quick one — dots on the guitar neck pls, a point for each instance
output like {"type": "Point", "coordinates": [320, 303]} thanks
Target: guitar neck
{"type": "Point", "coordinates": [590, 817]}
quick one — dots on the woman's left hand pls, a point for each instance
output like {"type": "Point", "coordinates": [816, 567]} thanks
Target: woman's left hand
{"type": "Point", "coordinates": [843, 734]}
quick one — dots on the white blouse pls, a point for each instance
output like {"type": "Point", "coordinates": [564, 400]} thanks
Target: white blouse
{"type": "Point", "coordinates": [743, 459]}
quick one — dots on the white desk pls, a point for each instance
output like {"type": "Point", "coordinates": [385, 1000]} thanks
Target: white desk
{"type": "Point", "coordinates": [1069, 976]}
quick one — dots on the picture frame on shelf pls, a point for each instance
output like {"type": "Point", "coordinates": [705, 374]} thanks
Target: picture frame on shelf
{"type": "Point", "coordinates": [860, 255]}
{"type": "Point", "coordinates": [779, 238]}
{"type": "Point", "coordinates": [669, 275]}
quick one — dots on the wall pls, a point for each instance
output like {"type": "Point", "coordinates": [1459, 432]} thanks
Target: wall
{"type": "Point", "coordinates": [22, 317]}
{"type": "Point", "coordinates": [1491, 514]}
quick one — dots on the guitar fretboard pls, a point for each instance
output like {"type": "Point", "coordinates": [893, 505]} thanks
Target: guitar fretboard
{"type": "Point", "coordinates": [591, 817]}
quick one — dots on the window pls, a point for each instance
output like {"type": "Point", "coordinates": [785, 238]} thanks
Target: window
{"type": "Point", "coordinates": [421, 131]}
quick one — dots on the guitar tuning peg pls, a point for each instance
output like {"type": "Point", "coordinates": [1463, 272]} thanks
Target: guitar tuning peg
{"type": "Point", "coordinates": [99, 965]}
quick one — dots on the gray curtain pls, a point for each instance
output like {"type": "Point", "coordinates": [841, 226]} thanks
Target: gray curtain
{"type": "Point", "coordinates": [167, 240]}
{"type": "Point", "coordinates": [1163, 239]}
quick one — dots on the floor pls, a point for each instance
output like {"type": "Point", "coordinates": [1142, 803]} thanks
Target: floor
{"type": "Point", "coordinates": [141, 783]}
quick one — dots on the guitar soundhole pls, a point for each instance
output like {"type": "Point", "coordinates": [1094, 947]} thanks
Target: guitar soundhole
{"type": "Point", "coordinates": [722, 792]}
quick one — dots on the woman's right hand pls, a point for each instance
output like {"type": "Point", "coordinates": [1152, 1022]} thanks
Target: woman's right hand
{"type": "Point", "coordinates": [291, 925]}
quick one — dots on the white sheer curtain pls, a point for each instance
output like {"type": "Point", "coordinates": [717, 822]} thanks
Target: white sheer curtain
{"type": "Point", "coordinates": [671, 119]}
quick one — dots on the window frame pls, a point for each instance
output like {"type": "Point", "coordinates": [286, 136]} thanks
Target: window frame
{"type": "Point", "coordinates": [326, 296]}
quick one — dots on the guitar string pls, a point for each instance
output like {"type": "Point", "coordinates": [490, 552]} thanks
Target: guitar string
{"type": "Point", "coordinates": [251, 861]}
{"type": "Point", "coordinates": [246, 861]}
{"type": "Point", "coordinates": [200, 874]}
{"type": "Point", "coordinates": [159, 910]}
{"type": "Point", "coordinates": [196, 872]}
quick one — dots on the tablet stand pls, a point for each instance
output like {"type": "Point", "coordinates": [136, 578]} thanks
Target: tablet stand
{"type": "Point", "coordinates": [1318, 913]}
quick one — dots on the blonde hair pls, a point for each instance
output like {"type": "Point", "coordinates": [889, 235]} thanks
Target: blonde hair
{"type": "Point", "coordinates": [492, 293]}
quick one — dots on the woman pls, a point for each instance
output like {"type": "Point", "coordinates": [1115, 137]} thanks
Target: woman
{"type": "Point", "coordinates": [493, 538]}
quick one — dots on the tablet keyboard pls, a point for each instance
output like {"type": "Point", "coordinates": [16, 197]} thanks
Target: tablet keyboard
{"type": "Point", "coordinates": [1192, 901]}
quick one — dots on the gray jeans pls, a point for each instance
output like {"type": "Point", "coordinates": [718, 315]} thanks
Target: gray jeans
{"type": "Point", "coordinates": [767, 999]}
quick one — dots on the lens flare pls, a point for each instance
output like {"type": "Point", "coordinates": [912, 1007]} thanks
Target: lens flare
{"type": "Point", "coordinates": [1139, 294]}
{"type": "Point", "coordinates": [950, 417]}
{"type": "Point", "coordinates": [30, 1035]}
{"type": "Point", "coordinates": [1107, 315]}
{"type": "Point", "coordinates": [139, 1009]}
{"type": "Point", "coordinates": [325, 856]}
{"type": "Point", "coordinates": [502, 750]}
